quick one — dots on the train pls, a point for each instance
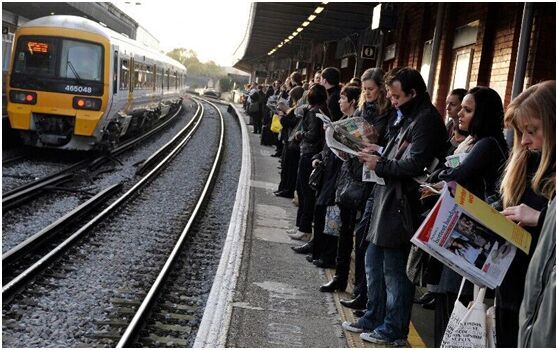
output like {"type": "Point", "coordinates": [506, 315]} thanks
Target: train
{"type": "Point", "coordinates": [75, 84]}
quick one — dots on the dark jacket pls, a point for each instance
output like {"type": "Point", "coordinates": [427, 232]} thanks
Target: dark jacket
{"type": "Point", "coordinates": [423, 129]}
{"type": "Point", "coordinates": [312, 132]}
{"type": "Point", "coordinates": [333, 95]}
{"type": "Point", "coordinates": [537, 316]}
{"type": "Point", "coordinates": [331, 164]}
{"type": "Point", "coordinates": [481, 169]}
{"type": "Point", "coordinates": [369, 112]}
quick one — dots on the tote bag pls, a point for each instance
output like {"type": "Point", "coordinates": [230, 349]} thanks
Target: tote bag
{"type": "Point", "coordinates": [468, 327]}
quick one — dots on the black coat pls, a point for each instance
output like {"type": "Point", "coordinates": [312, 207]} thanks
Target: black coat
{"type": "Point", "coordinates": [331, 164]}
{"type": "Point", "coordinates": [312, 132]}
{"type": "Point", "coordinates": [426, 135]}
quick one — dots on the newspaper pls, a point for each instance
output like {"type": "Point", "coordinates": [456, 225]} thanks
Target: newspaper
{"type": "Point", "coordinates": [346, 136]}
{"type": "Point", "coordinates": [471, 237]}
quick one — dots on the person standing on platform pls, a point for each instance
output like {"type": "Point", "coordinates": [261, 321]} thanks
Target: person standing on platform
{"type": "Point", "coordinates": [310, 134]}
{"type": "Point", "coordinates": [330, 80]}
{"type": "Point", "coordinates": [375, 108]}
{"type": "Point", "coordinates": [421, 128]}
{"type": "Point", "coordinates": [529, 183]}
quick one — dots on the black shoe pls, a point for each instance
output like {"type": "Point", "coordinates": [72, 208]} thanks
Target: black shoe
{"type": "Point", "coordinates": [357, 303]}
{"type": "Point", "coordinates": [336, 284]}
{"type": "Point", "coordinates": [425, 298]}
{"type": "Point", "coordinates": [285, 194]}
{"type": "Point", "coordinates": [309, 258]}
{"type": "Point", "coordinates": [276, 155]}
{"type": "Point", "coordinates": [359, 313]}
{"type": "Point", "coordinates": [431, 305]}
{"type": "Point", "coordinates": [303, 249]}
{"type": "Point", "coordinates": [324, 264]}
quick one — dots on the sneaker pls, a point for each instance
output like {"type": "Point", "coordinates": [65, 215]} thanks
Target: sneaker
{"type": "Point", "coordinates": [300, 236]}
{"type": "Point", "coordinates": [376, 338]}
{"type": "Point", "coordinates": [292, 230]}
{"type": "Point", "coordinates": [351, 327]}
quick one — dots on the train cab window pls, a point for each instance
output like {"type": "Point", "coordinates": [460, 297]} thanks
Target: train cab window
{"type": "Point", "coordinates": [81, 60]}
{"type": "Point", "coordinates": [36, 56]}
{"type": "Point", "coordinates": [124, 74]}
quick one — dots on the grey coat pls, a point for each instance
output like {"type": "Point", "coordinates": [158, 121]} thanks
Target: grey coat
{"type": "Point", "coordinates": [537, 315]}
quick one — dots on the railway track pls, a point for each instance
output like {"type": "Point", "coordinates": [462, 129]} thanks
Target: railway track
{"type": "Point", "coordinates": [23, 193]}
{"type": "Point", "coordinates": [11, 260]}
{"type": "Point", "coordinates": [122, 300]}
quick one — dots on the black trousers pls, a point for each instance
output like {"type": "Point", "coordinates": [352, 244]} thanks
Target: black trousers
{"type": "Point", "coordinates": [306, 195]}
{"type": "Point", "coordinates": [345, 242]}
{"type": "Point", "coordinates": [289, 168]}
{"type": "Point", "coordinates": [257, 117]}
{"type": "Point", "coordinates": [324, 246]}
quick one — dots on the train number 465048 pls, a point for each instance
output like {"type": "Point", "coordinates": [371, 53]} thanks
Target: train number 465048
{"type": "Point", "coordinates": [77, 88]}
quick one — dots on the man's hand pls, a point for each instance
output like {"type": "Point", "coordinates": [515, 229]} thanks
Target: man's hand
{"type": "Point", "coordinates": [368, 159]}
{"type": "Point", "coordinates": [522, 214]}
{"type": "Point", "coordinates": [316, 163]}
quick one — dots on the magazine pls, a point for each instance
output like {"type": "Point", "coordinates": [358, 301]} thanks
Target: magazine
{"type": "Point", "coordinates": [471, 237]}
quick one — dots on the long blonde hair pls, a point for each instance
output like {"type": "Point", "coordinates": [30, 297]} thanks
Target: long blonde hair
{"type": "Point", "coordinates": [377, 75]}
{"type": "Point", "coordinates": [538, 101]}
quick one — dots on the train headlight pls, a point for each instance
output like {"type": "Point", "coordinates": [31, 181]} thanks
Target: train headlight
{"type": "Point", "coordinates": [93, 104]}
{"type": "Point", "coordinates": [25, 97]}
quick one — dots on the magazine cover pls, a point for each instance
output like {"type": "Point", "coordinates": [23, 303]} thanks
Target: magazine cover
{"type": "Point", "coordinates": [471, 237]}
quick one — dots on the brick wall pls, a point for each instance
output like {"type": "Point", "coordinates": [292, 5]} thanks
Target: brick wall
{"type": "Point", "coordinates": [542, 53]}
{"type": "Point", "coordinates": [505, 49]}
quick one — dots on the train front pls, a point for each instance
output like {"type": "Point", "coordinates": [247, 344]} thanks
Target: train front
{"type": "Point", "coordinates": [59, 82]}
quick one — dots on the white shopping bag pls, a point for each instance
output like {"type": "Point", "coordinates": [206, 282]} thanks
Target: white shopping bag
{"type": "Point", "coordinates": [467, 325]}
{"type": "Point", "coordinates": [491, 327]}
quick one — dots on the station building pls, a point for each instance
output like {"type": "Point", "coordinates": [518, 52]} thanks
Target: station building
{"type": "Point", "coordinates": [453, 45]}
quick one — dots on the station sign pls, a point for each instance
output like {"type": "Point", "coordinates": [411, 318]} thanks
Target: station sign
{"type": "Point", "coordinates": [368, 52]}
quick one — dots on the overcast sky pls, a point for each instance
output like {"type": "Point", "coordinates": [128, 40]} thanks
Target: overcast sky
{"type": "Point", "coordinates": [212, 28]}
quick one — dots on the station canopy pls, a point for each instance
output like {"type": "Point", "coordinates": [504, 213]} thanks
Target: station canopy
{"type": "Point", "coordinates": [271, 23]}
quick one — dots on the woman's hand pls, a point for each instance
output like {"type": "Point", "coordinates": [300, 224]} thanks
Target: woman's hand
{"type": "Point", "coordinates": [522, 214]}
{"type": "Point", "coordinates": [316, 163]}
{"type": "Point", "coordinates": [368, 159]}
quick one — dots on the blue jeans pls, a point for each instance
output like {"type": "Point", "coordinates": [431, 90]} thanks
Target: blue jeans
{"type": "Point", "coordinates": [390, 293]}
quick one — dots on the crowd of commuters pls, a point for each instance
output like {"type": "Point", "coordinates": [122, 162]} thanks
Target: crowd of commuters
{"type": "Point", "coordinates": [410, 139]}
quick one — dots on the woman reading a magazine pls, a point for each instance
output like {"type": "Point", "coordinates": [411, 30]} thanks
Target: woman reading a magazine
{"type": "Point", "coordinates": [484, 153]}
{"type": "Point", "coordinates": [529, 183]}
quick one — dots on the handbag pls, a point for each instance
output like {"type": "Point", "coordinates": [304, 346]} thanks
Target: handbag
{"type": "Point", "coordinates": [276, 124]}
{"type": "Point", "coordinates": [254, 107]}
{"type": "Point", "coordinates": [350, 192]}
{"type": "Point", "coordinates": [315, 179]}
{"type": "Point", "coordinates": [417, 264]}
{"type": "Point", "coordinates": [332, 221]}
{"type": "Point", "coordinates": [467, 326]}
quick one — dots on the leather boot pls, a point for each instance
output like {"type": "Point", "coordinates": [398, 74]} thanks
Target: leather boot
{"type": "Point", "coordinates": [357, 303]}
{"type": "Point", "coordinates": [336, 284]}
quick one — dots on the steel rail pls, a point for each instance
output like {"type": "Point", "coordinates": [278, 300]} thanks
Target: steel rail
{"type": "Point", "coordinates": [142, 168]}
{"type": "Point", "coordinates": [20, 194]}
{"type": "Point", "coordinates": [30, 244]}
{"type": "Point", "coordinates": [142, 313]}
{"type": "Point", "coordinates": [10, 288]}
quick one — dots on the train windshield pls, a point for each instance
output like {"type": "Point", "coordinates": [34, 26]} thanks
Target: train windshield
{"type": "Point", "coordinates": [46, 62]}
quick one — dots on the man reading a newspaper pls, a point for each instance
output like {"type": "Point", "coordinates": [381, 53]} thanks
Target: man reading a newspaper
{"type": "Point", "coordinates": [419, 139]}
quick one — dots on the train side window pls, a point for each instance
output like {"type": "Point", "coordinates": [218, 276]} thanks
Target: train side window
{"type": "Point", "coordinates": [168, 79]}
{"type": "Point", "coordinates": [149, 77]}
{"type": "Point", "coordinates": [115, 73]}
{"type": "Point", "coordinates": [124, 74]}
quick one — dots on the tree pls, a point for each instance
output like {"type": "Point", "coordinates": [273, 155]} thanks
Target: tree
{"type": "Point", "coordinates": [189, 58]}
